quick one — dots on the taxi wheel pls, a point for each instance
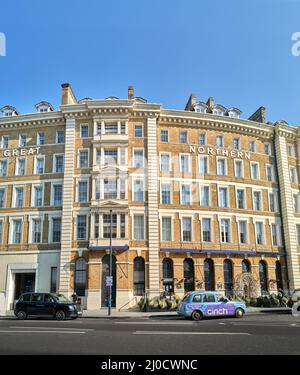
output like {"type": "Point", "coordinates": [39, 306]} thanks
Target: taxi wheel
{"type": "Point", "coordinates": [239, 313]}
{"type": "Point", "coordinates": [60, 315]}
{"type": "Point", "coordinates": [21, 315]}
{"type": "Point", "coordinates": [197, 315]}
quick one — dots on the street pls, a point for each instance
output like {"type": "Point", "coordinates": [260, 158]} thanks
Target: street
{"type": "Point", "coordinates": [254, 334]}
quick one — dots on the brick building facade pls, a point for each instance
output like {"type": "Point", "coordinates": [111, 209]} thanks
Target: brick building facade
{"type": "Point", "coordinates": [198, 198]}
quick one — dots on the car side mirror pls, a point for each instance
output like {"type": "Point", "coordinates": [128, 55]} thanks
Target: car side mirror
{"type": "Point", "coordinates": [225, 300]}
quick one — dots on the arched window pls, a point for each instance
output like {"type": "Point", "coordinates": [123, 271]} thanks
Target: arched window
{"type": "Point", "coordinates": [246, 267]}
{"type": "Point", "coordinates": [80, 277]}
{"type": "Point", "coordinates": [263, 277]}
{"type": "Point", "coordinates": [278, 272]}
{"type": "Point", "coordinates": [138, 276]}
{"type": "Point", "coordinates": [228, 277]}
{"type": "Point", "coordinates": [209, 274]}
{"type": "Point", "coordinates": [188, 274]}
{"type": "Point", "coordinates": [168, 275]}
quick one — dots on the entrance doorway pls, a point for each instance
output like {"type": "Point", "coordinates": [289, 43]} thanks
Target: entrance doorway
{"type": "Point", "coordinates": [24, 282]}
{"type": "Point", "coordinates": [105, 289]}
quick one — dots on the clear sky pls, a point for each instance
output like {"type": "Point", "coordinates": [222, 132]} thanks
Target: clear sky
{"type": "Point", "coordinates": [238, 51]}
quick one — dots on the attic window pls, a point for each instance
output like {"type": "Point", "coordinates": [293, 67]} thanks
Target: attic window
{"type": "Point", "coordinates": [233, 114]}
{"type": "Point", "coordinates": [200, 109]}
{"type": "Point", "coordinates": [218, 112]}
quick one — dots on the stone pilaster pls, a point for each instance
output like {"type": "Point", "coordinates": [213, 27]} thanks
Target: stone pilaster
{"type": "Point", "coordinates": [153, 224]}
{"type": "Point", "coordinates": [66, 225]}
{"type": "Point", "coordinates": [287, 210]}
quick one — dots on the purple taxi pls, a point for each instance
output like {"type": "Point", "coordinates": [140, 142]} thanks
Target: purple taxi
{"type": "Point", "coordinates": [198, 305]}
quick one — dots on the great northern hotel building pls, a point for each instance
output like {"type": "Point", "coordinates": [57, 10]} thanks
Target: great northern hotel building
{"type": "Point", "coordinates": [197, 197]}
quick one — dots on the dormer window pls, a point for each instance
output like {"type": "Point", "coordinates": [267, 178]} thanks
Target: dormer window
{"type": "Point", "coordinates": [200, 108]}
{"type": "Point", "coordinates": [233, 112]}
{"type": "Point", "coordinates": [9, 111]}
{"type": "Point", "coordinates": [218, 110]}
{"type": "Point", "coordinates": [43, 107]}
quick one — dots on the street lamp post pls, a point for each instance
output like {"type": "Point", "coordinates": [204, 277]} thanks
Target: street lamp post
{"type": "Point", "coordinates": [110, 266]}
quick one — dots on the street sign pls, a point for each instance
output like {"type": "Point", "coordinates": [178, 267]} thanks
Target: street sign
{"type": "Point", "coordinates": [109, 281]}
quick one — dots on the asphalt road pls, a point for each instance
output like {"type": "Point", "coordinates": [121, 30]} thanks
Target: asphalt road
{"type": "Point", "coordinates": [260, 334]}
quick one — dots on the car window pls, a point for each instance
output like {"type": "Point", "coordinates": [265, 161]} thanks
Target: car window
{"type": "Point", "coordinates": [197, 298]}
{"type": "Point", "coordinates": [209, 298]}
{"type": "Point", "coordinates": [25, 297]}
{"type": "Point", "coordinates": [37, 297]}
{"type": "Point", "coordinates": [48, 298]}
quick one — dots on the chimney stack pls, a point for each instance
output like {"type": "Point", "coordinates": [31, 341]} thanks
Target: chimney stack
{"type": "Point", "coordinates": [210, 103]}
{"type": "Point", "coordinates": [67, 95]}
{"type": "Point", "coordinates": [190, 104]}
{"type": "Point", "coordinates": [259, 115]}
{"type": "Point", "coordinates": [130, 92]}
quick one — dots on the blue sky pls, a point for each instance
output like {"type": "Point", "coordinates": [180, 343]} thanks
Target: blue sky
{"type": "Point", "coordinates": [238, 51]}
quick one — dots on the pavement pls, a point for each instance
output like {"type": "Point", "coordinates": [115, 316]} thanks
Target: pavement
{"type": "Point", "coordinates": [269, 333]}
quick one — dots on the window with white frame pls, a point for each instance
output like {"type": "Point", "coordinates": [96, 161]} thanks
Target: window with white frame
{"type": "Point", "coordinates": [220, 141]}
{"type": "Point", "coordinates": [166, 228]}
{"type": "Point", "coordinates": [252, 146]}
{"type": "Point", "coordinates": [22, 140]}
{"type": "Point", "coordinates": [4, 141]}
{"type": "Point", "coordinates": [183, 137]}
{"type": "Point", "coordinates": [184, 163]}
{"type": "Point", "coordinates": [204, 196]}
{"type": "Point", "coordinates": [84, 130]}
{"type": "Point", "coordinates": [56, 229]}
{"type": "Point", "coordinates": [164, 135]}
{"type": "Point", "coordinates": [206, 229]}
{"type": "Point", "coordinates": [122, 226]}
{"type": "Point", "coordinates": [238, 168]}
{"type": "Point", "coordinates": [20, 166]}
{"type": "Point", "coordinates": [57, 195]}
{"type": "Point", "coordinates": [221, 167]}
{"type": "Point", "coordinates": [202, 139]}
{"type": "Point", "coordinates": [110, 188]}
{"type": "Point", "coordinates": [267, 147]}
{"type": "Point", "coordinates": [269, 173]}
{"type": "Point", "coordinates": [295, 202]}
{"type": "Point", "coordinates": [109, 222]}
{"type": "Point", "coordinates": [293, 175]}
{"type": "Point", "coordinates": [243, 234]}
{"type": "Point", "coordinates": [225, 230]}
{"type": "Point", "coordinates": [16, 236]}
{"type": "Point", "coordinates": [185, 194]}
{"type": "Point", "coordinates": [1, 231]}
{"type": "Point", "coordinates": [291, 150]}
{"type": "Point", "coordinates": [111, 128]}
{"type": "Point", "coordinates": [165, 162]}
{"type": "Point", "coordinates": [81, 227]}
{"type": "Point", "coordinates": [3, 167]}
{"type": "Point", "coordinates": [165, 193]}
{"type": "Point", "coordinates": [240, 198]}
{"type": "Point", "coordinates": [2, 197]}
{"type": "Point", "coordinates": [58, 163]}
{"type": "Point", "coordinates": [236, 143]}
{"type": "Point", "coordinates": [40, 139]}
{"type": "Point", "coordinates": [111, 156]}
{"type": "Point", "coordinates": [254, 171]}
{"type": "Point", "coordinates": [298, 233]}
{"type": "Point", "coordinates": [36, 230]}
{"type": "Point", "coordinates": [82, 191]}
{"type": "Point", "coordinates": [186, 229]}
{"type": "Point", "coordinates": [257, 206]}
{"type": "Point", "coordinates": [138, 227]}
{"type": "Point", "coordinates": [138, 190]}
{"type": "Point", "coordinates": [60, 136]}
{"type": "Point", "coordinates": [18, 196]}
{"type": "Point", "coordinates": [275, 230]}
{"type": "Point", "coordinates": [138, 158]}
{"type": "Point", "coordinates": [123, 190]}
{"type": "Point", "coordinates": [39, 165]}
{"type": "Point", "coordinates": [123, 156]}
{"type": "Point", "coordinates": [138, 130]}
{"type": "Point", "coordinates": [259, 233]}
{"type": "Point", "coordinates": [203, 165]}
{"type": "Point", "coordinates": [272, 202]}
{"type": "Point", "coordinates": [37, 196]}
{"type": "Point", "coordinates": [83, 159]}
{"type": "Point", "coordinates": [223, 197]}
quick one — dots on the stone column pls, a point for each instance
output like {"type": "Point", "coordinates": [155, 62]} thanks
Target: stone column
{"type": "Point", "coordinates": [287, 209]}
{"type": "Point", "coordinates": [153, 224]}
{"type": "Point", "coordinates": [66, 225]}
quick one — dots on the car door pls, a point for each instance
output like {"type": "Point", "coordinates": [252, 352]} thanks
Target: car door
{"type": "Point", "coordinates": [37, 305]}
{"type": "Point", "coordinates": [210, 304]}
{"type": "Point", "coordinates": [49, 305]}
